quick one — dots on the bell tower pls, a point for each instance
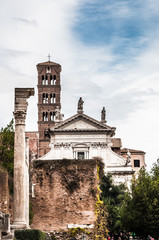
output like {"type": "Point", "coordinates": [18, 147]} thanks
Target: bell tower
{"type": "Point", "coordinates": [49, 91]}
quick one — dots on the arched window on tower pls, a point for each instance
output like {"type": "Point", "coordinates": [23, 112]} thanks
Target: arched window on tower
{"type": "Point", "coordinates": [48, 69]}
{"type": "Point", "coordinates": [43, 97]}
{"type": "Point", "coordinates": [54, 98]}
{"type": "Point", "coordinates": [54, 78]}
{"type": "Point", "coordinates": [52, 116]}
{"type": "Point", "coordinates": [46, 80]}
{"type": "Point", "coordinates": [51, 98]}
{"type": "Point", "coordinates": [43, 80]}
{"type": "Point", "coordinates": [46, 116]}
{"type": "Point", "coordinates": [46, 99]}
{"type": "Point", "coordinates": [51, 80]}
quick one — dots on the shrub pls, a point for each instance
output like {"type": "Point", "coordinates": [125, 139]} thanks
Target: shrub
{"type": "Point", "coordinates": [30, 234]}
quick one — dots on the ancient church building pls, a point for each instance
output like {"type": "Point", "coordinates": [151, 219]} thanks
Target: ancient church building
{"type": "Point", "coordinates": [64, 175]}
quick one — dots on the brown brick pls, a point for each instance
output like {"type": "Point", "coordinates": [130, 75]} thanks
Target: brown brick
{"type": "Point", "coordinates": [65, 193]}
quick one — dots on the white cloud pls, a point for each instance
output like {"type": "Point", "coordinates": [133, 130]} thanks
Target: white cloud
{"type": "Point", "coordinates": [129, 90]}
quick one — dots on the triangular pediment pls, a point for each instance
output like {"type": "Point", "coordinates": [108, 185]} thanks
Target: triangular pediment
{"type": "Point", "coordinates": [81, 122]}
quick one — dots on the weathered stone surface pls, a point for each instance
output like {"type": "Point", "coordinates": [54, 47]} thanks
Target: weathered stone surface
{"type": "Point", "coordinates": [5, 226]}
{"type": "Point", "coordinates": [4, 191]}
{"type": "Point", "coordinates": [65, 193]}
{"type": "Point", "coordinates": [20, 163]}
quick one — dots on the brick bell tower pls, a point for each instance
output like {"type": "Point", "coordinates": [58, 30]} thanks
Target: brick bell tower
{"type": "Point", "coordinates": [49, 89]}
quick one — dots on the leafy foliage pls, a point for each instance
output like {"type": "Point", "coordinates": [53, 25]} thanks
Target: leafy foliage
{"type": "Point", "coordinates": [29, 234]}
{"type": "Point", "coordinates": [7, 148]}
{"type": "Point", "coordinates": [112, 196]}
{"type": "Point", "coordinates": [101, 223]}
{"type": "Point", "coordinates": [140, 211]}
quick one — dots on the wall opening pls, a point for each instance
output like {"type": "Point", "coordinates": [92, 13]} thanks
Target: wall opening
{"type": "Point", "coordinates": [52, 116]}
{"type": "Point", "coordinates": [46, 80]}
{"type": "Point", "coordinates": [136, 163]}
{"type": "Point", "coordinates": [43, 97]}
{"type": "Point", "coordinates": [43, 80]}
{"type": "Point", "coordinates": [80, 155]}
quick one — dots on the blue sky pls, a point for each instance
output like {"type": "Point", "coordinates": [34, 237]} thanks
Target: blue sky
{"type": "Point", "coordinates": [125, 26]}
{"type": "Point", "coordinates": [109, 55]}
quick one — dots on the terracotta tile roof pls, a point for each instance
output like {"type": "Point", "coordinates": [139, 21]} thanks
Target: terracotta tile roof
{"type": "Point", "coordinates": [49, 63]}
{"type": "Point", "coordinates": [125, 150]}
{"type": "Point", "coordinates": [116, 143]}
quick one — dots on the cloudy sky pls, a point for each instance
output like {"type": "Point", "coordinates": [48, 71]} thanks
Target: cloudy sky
{"type": "Point", "coordinates": [109, 52]}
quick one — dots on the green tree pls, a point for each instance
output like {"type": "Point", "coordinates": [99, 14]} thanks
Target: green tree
{"type": "Point", "coordinates": [140, 210]}
{"type": "Point", "coordinates": [112, 196]}
{"type": "Point", "coordinates": [7, 148]}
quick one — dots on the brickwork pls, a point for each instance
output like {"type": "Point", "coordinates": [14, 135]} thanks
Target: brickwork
{"type": "Point", "coordinates": [49, 90]}
{"type": "Point", "coordinates": [33, 143]}
{"type": "Point", "coordinates": [4, 191]}
{"type": "Point", "coordinates": [65, 193]}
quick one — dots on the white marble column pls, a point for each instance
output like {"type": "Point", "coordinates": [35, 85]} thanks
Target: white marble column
{"type": "Point", "coordinates": [19, 175]}
{"type": "Point", "coordinates": [27, 181]}
{"type": "Point", "coordinates": [20, 180]}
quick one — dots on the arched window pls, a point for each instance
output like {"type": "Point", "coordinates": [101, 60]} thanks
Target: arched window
{"type": "Point", "coordinates": [51, 98]}
{"type": "Point", "coordinates": [46, 80]}
{"type": "Point", "coordinates": [46, 116]}
{"type": "Point", "coordinates": [48, 69]}
{"type": "Point", "coordinates": [54, 77]}
{"type": "Point", "coordinates": [43, 80]}
{"type": "Point", "coordinates": [43, 97]}
{"type": "Point", "coordinates": [46, 99]}
{"type": "Point", "coordinates": [54, 98]}
{"type": "Point", "coordinates": [81, 151]}
{"type": "Point", "coordinates": [43, 116]}
{"type": "Point", "coordinates": [52, 116]}
{"type": "Point", "coordinates": [51, 80]}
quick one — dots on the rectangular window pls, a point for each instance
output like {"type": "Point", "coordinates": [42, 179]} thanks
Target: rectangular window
{"type": "Point", "coordinates": [80, 155]}
{"type": "Point", "coordinates": [136, 163]}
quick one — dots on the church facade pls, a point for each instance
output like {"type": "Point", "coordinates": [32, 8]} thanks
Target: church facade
{"type": "Point", "coordinates": [64, 156]}
{"type": "Point", "coordinates": [80, 136]}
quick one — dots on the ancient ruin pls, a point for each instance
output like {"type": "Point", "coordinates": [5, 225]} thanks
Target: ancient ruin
{"type": "Point", "coordinates": [64, 172]}
{"type": "Point", "coordinates": [21, 162]}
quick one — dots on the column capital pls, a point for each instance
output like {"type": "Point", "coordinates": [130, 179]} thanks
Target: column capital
{"type": "Point", "coordinates": [20, 106]}
{"type": "Point", "coordinates": [20, 117]}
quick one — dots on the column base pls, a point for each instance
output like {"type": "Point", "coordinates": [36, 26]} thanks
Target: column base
{"type": "Point", "coordinates": [18, 226]}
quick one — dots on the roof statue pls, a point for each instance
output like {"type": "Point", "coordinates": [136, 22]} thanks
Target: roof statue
{"type": "Point", "coordinates": [128, 160]}
{"type": "Point", "coordinates": [103, 115]}
{"type": "Point", "coordinates": [58, 115]}
{"type": "Point", "coordinates": [80, 105]}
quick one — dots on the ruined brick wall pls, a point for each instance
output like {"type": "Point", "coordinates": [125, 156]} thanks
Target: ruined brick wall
{"type": "Point", "coordinates": [65, 193]}
{"type": "Point", "coordinates": [4, 191]}
{"type": "Point", "coordinates": [33, 143]}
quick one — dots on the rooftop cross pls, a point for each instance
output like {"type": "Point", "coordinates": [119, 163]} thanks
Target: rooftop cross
{"type": "Point", "coordinates": [49, 56]}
